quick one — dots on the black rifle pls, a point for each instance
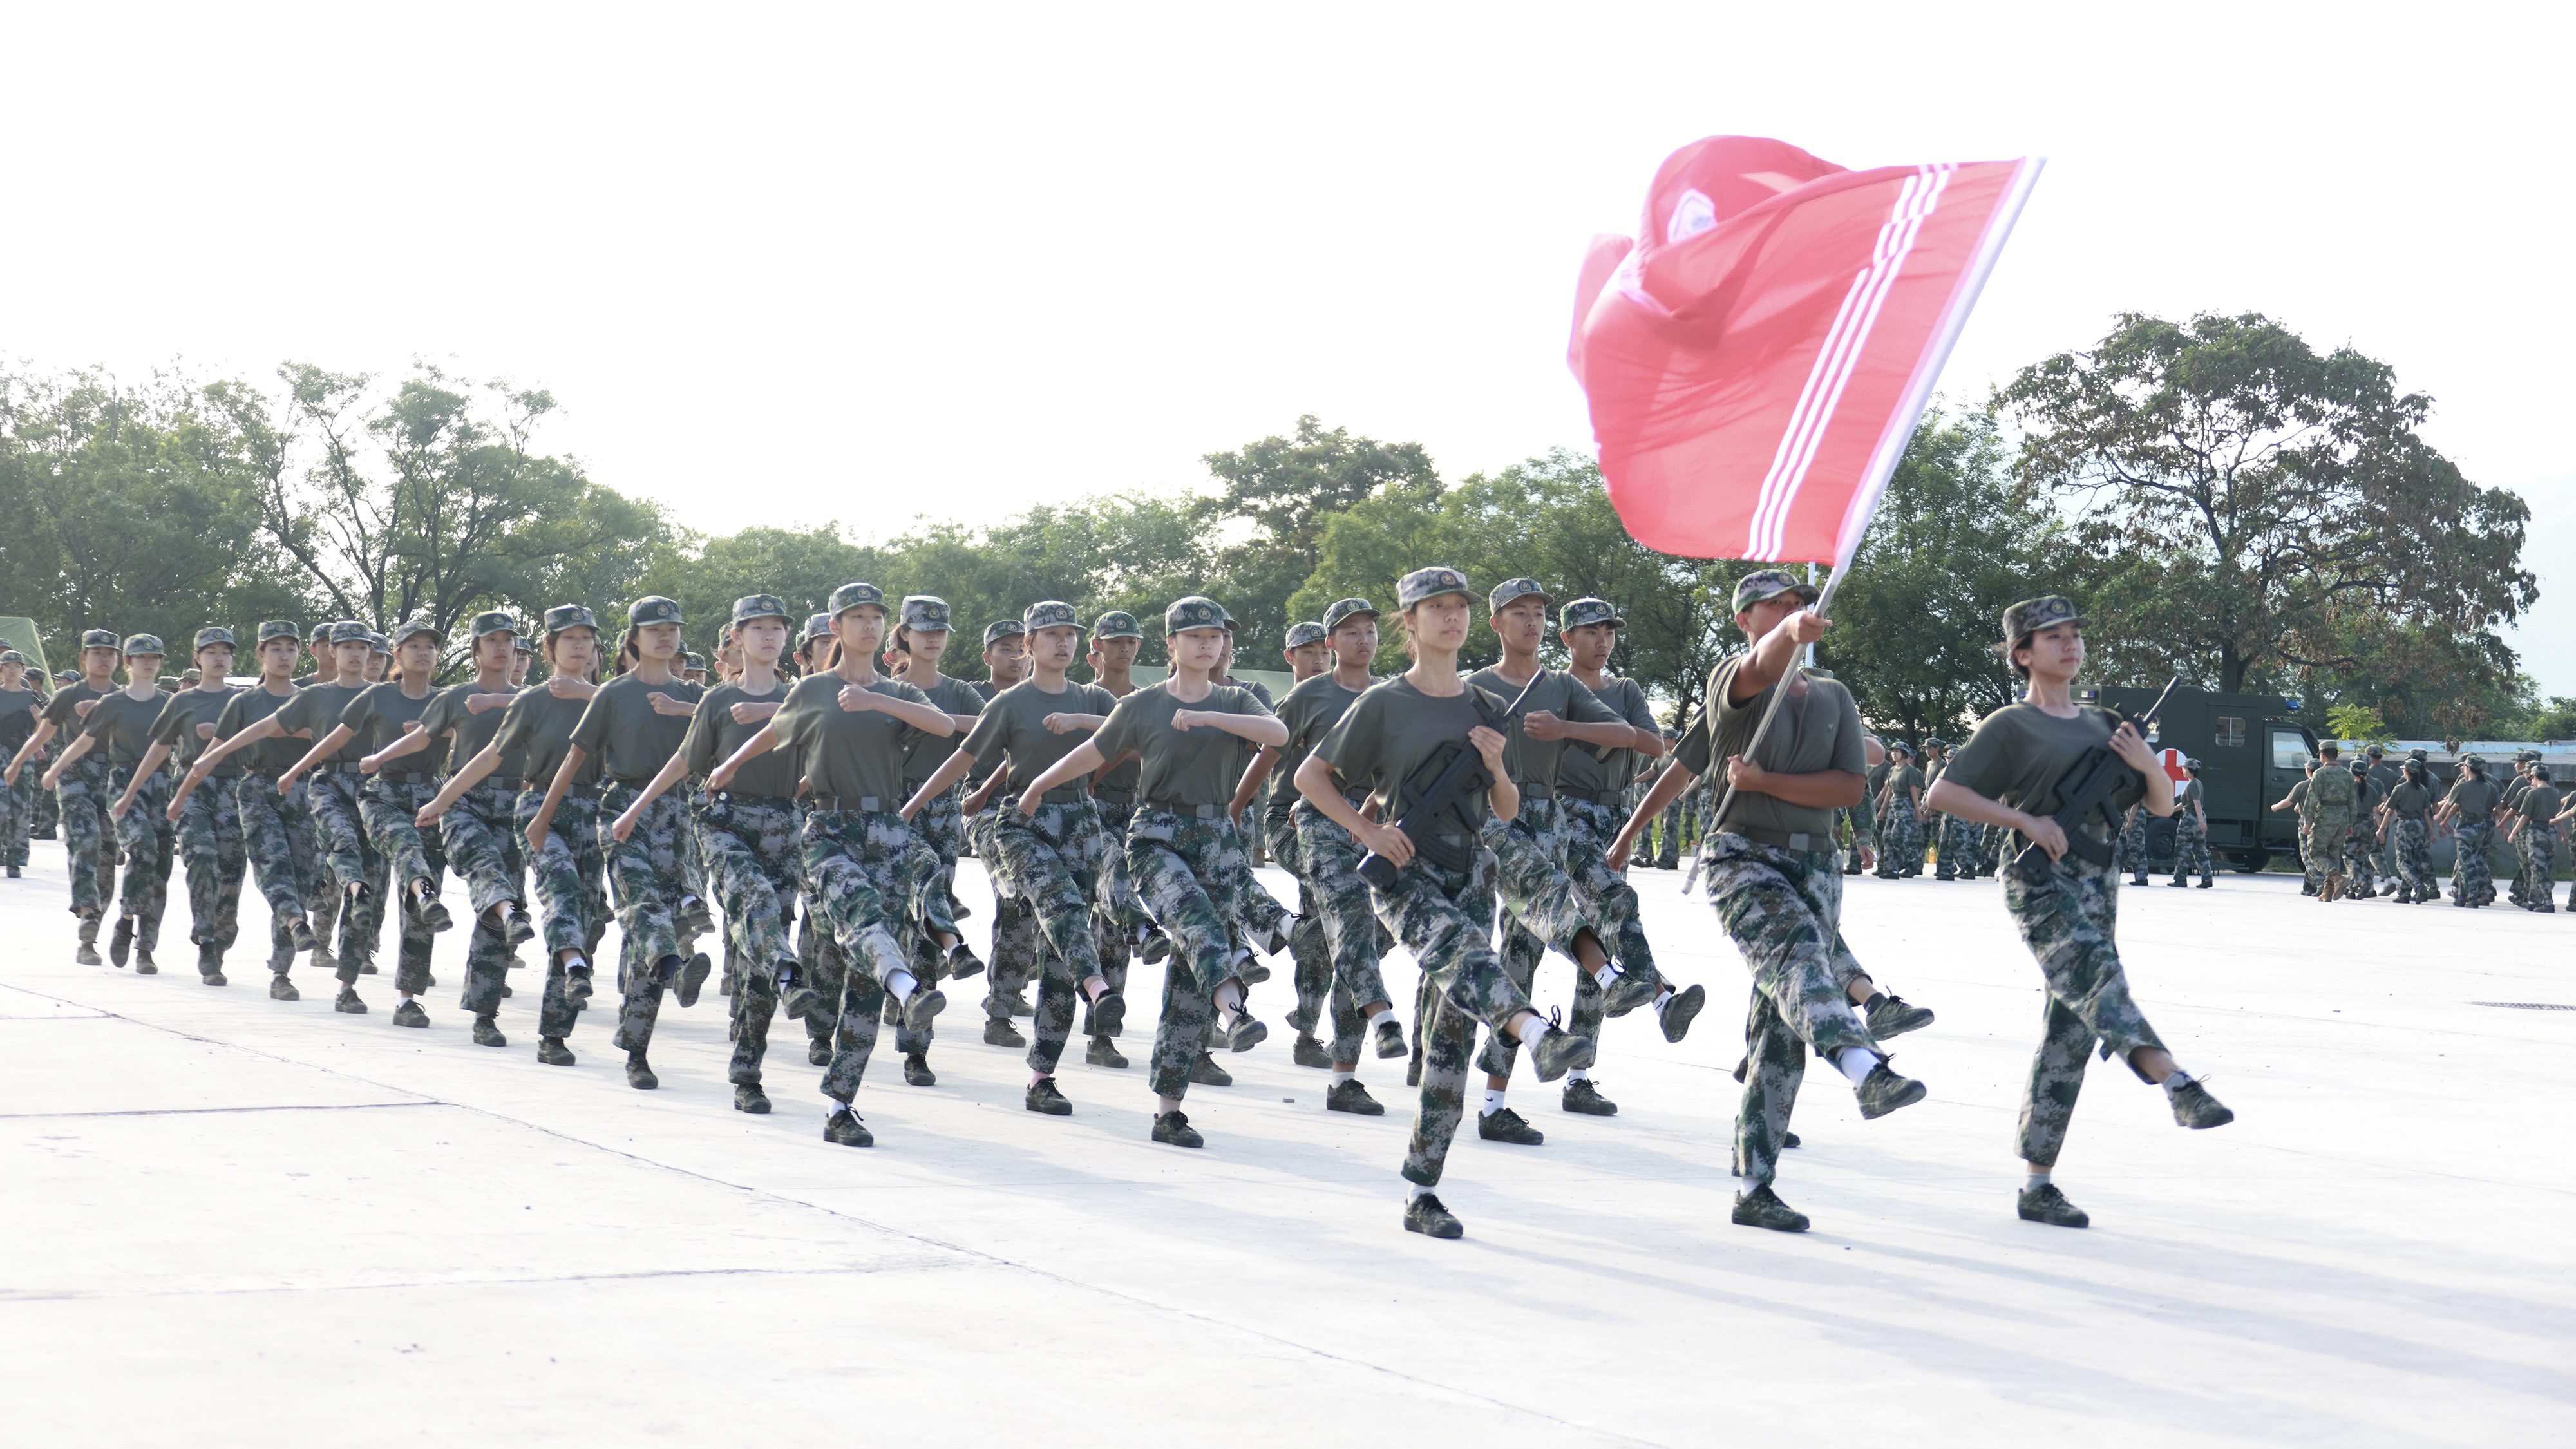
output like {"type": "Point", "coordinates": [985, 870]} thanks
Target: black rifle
{"type": "Point", "coordinates": [1452, 771]}
{"type": "Point", "coordinates": [2084, 790]}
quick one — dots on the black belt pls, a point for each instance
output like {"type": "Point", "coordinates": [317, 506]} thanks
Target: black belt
{"type": "Point", "coordinates": [630, 784]}
{"type": "Point", "coordinates": [1608, 799]}
{"type": "Point", "coordinates": [1782, 839]}
{"type": "Point", "coordinates": [496, 782]}
{"type": "Point", "coordinates": [736, 797]}
{"type": "Point", "coordinates": [866, 804]}
{"type": "Point", "coordinates": [337, 767]}
{"type": "Point", "coordinates": [1535, 790]}
{"type": "Point", "coordinates": [1112, 796]}
{"type": "Point", "coordinates": [1063, 795]}
{"type": "Point", "coordinates": [1203, 812]}
{"type": "Point", "coordinates": [411, 777]}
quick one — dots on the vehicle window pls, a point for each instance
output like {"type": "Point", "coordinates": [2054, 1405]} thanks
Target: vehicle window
{"type": "Point", "coordinates": [2289, 750]}
{"type": "Point", "coordinates": [2231, 731]}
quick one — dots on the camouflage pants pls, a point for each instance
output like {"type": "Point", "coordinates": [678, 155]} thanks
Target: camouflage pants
{"type": "Point", "coordinates": [750, 846]}
{"type": "Point", "coordinates": [151, 845]}
{"type": "Point", "coordinates": [1117, 913]}
{"type": "Point", "coordinates": [2540, 847]}
{"type": "Point", "coordinates": [89, 837]}
{"type": "Point", "coordinates": [1585, 836]}
{"type": "Point", "coordinates": [1900, 840]}
{"type": "Point", "coordinates": [17, 818]}
{"type": "Point", "coordinates": [941, 825]}
{"type": "Point", "coordinates": [2321, 849]}
{"type": "Point", "coordinates": [210, 840]}
{"type": "Point", "coordinates": [477, 833]}
{"type": "Point", "coordinates": [2472, 880]}
{"type": "Point", "coordinates": [1954, 844]}
{"type": "Point", "coordinates": [1189, 872]}
{"type": "Point", "coordinates": [2068, 918]}
{"type": "Point", "coordinates": [1052, 859]}
{"type": "Point", "coordinates": [1668, 834]}
{"type": "Point", "coordinates": [1015, 949]}
{"type": "Point", "coordinates": [2191, 846]}
{"type": "Point", "coordinates": [863, 871]}
{"type": "Point", "coordinates": [1783, 910]}
{"type": "Point", "coordinates": [277, 835]}
{"type": "Point", "coordinates": [2136, 846]}
{"type": "Point", "coordinates": [390, 809]}
{"type": "Point", "coordinates": [571, 886]}
{"type": "Point", "coordinates": [48, 817]}
{"type": "Point", "coordinates": [1445, 918]}
{"type": "Point", "coordinates": [339, 828]}
{"type": "Point", "coordinates": [1546, 907]}
{"type": "Point", "coordinates": [1328, 860]}
{"type": "Point", "coordinates": [1320, 995]}
{"type": "Point", "coordinates": [2414, 861]}
{"type": "Point", "coordinates": [644, 877]}
{"type": "Point", "coordinates": [2360, 844]}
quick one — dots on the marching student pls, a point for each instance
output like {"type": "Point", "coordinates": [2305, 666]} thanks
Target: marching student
{"type": "Point", "coordinates": [82, 793]}
{"type": "Point", "coordinates": [210, 824]}
{"type": "Point", "coordinates": [119, 727]}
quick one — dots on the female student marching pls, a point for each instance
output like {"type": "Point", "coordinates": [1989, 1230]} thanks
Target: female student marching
{"type": "Point", "coordinates": [2008, 775]}
{"type": "Point", "coordinates": [19, 708]}
{"type": "Point", "coordinates": [210, 825]}
{"type": "Point", "coordinates": [1183, 851]}
{"type": "Point", "coordinates": [528, 750]}
{"type": "Point", "coordinates": [89, 837]}
{"type": "Point", "coordinates": [475, 833]}
{"type": "Point", "coordinates": [119, 727]}
{"type": "Point", "coordinates": [1051, 853]}
{"type": "Point", "coordinates": [632, 726]}
{"type": "Point", "coordinates": [1441, 904]}
{"type": "Point", "coordinates": [920, 639]}
{"type": "Point", "coordinates": [847, 728]}
{"type": "Point", "coordinates": [276, 828]}
{"type": "Point", "coordinates": [747, 832]}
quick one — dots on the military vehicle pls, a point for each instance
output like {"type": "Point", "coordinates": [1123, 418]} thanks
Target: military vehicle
{"type": "Point", "coordinates": [2252, 748]}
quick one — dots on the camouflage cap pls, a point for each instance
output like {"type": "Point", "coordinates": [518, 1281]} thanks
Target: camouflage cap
{"type": "Point", "coordinates": [415, 626]}
{"type": "Point", "coordinates": [2032, 615]}
{"type": "Point", "coordinates": [100, 639]}
{"type": "Point", "coordinates": [1001, 629]}
{"type": "Point", "coordinates": [214, 634]}
{"type": "Point", "coordinates": [2374, 752]}
{"type": "Point", "coordinates": [1307, 632]}
{"type": "Point", "coordinates": [142, 645]}
{"type": "Point", "coordinates": [12, 656]}
{"type": "Point", "coordinates": [280, 629]}
{"type": "Point", "coordinates": [520, 645]}
{"type": "Point", "coordinates": [924, 611]}
{"type": "Point", "coordinates": [378, 643]}
{"type": "Point", "coordinates": [2329, 747]}
{"type": "Point", "coordinates": [855, 596]}
{"type": "Point", "coordinates": [2527, 756]}
{"type": "Point", "coordinates": [191, 675]}
{"type": "Point", "coordinates": [2418, 753]}
{"type": "Point", "coordinates": [759, 606]}
{"type": "Point", "coordinates": [1430, 583]}
{"type": "Point", "coordinates": [652, 609]}
{"type": "Point", "coordinates": [1511, 589]}
{"type": "Point", "coordinates": [322, 631]}
{"type": "Point", "coordinates": [1762, 584]}
{"type": "Point", "coordinates": [1048, 614]}
{"type": "Point", "coordinates": [571, 616]}
{"type": "Point", "coordinates": [1341, 609]}
{"type": "Point", "coordinates": [1900, 747]}
{"type": "Point", "coordinates": [494, 621]}
{"type": "Point", "coordinates": [1579, 612]}
{"type": "Point", "coordinates": [697, 662]}
{"type": "Point", "coordinates": [1116, 624]}
{"type": "Point", "coordinates": [1935, 742]}
{"type": "Point", "coordinates": [817, 626]}
{"type": "Point", "coordinates": [1193, 611]}
{"type": "Point", "coordinates": [2191, 764]}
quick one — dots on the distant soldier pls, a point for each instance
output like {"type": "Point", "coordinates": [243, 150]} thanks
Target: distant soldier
{"type": "Point", "coordinates": [2536, 823]}
{"type": "Point", "coordinates": [2295, 800]}
{"type": "Point", "coordinates": [2470, 807]}
{"type": "Point", "coordinates": [2326, 816]}
{"type": "Point", "coordinates": [2191, 831]}
{"type": "Point", "coordinates": [2361, 841]}
{"type": "Point", "coordinates": [1950, 834]}
{"type": "Point", "coordinates": [2385, 777]}
{"type": "Point", "coordinates": [2403, 815]}
{"type": "Point", "coordinates": [2137, 844]}
{"type": "Point", "coordinates": [1900, 804]}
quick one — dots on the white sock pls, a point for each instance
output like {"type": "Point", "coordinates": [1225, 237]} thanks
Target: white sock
{"type": "Point", "coordinates": [2175, 1083]}
{"type": "Point", "coordinates": [1579, 1074]}
{"type": "Point", "coordinates": [899, 984]}
{"type": "Point", "coordinates": [1493, 1102]}
{"type": "Point", "coordinates": [1533, 1029]}
{"type": "Point", "coordinates": [1413, 1190]}
{"type": "Point", "coordinates": [1609, 975]}
{"type": "Point", "coordinates": [1855, 1063]}
{"type": "Point", "coordinates": [834, 1104]}
{"type": "Point", "coordinates": [1340, 1076]}
{"type": "Point", "coordinates": [2035, 1179]}
{"type": "Point", "coordinates": [1167, 1104]}
{"type": "Point", "coordinates": [1229, 998]}
{"type": "Point", "coordinates": [1747, 1187]}
{"type": "Point", "coordinates": [1037, 1077]}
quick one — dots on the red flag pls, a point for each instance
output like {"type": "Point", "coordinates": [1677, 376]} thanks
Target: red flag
{"type": "Point", "coordinates": [1757, 362]}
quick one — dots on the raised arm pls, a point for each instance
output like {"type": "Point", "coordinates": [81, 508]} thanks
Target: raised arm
{"type": "Point", "coordinates": [1085, 757]}
{"type": "Point", "coordinates": [459, 780]}
{"type": "Point", "coordinates": [323, 749]}
{"type": "Point", "coordinates": [950, 771]}
{"type": "Point", "coordinates": [1261, 729]}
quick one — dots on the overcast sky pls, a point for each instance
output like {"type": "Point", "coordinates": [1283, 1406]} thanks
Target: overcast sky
{"type": "Point", "coordinates": [792, 264]}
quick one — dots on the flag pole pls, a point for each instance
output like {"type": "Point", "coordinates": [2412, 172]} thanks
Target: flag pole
{"type": "Point", "coordinates": [1891, 448]}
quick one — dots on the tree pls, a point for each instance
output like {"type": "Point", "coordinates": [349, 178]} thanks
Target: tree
{"type": "Point", "coordinates": [1956, 539]}
{"type": "Point", "coordinates": [1278, 490]}
{"type": "Point", "coordinates": [2251, 497]}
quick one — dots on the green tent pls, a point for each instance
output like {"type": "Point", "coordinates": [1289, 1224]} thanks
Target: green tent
{"type": "Point", "coordinates": [21, 635]}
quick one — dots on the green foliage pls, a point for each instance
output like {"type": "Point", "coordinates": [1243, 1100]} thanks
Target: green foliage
{"type": "Point", "coordinates": [2358, 724]}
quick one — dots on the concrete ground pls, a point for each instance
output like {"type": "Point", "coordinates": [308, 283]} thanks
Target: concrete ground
{"type": "Point", "coordinates": [237, 1221]}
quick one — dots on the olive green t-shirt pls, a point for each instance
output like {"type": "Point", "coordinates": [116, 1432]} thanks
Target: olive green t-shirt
{"type": "Point", "coordinates": [1310, 711]}
{"type": "Point", "coordinates": [61, 711]}
{"type": "Point", "coordinates": [983, 769]}
{"type": "Point", "coordinates": [2475, 798]}
{"type": "Point", "coordinates": [1598, 770]}
{"type": "Point", "coordinates": [315, 711]}
{"type": "Point", "coordinates": [537, 727]}
{"type": "Point", "coordinates": [2410, 801]}
{"type": "Point", "coordinates": [631, 738]}
{"type": "Point", "coordinates": [2189, 795]}
{"type": "Point", "coordinates": [714, 734]}
{"type": "Point", "coordinates": [852, 754]}
{"type": "Point", "coordinates": [1387, 734]}
{"type": "Point", "coordinates": [1900, 784]}
{"type": "Point", "coordinates": [1197, 766]}
{"type": "Point", "coordinates": [378, 715]}
{"type": "Point", "coordinates": [270, 756]}
{"type": "Point", "coordinates": [1013, 728]}
{"type": "Point", "coordinates": [1535, 762]}
{"type": "Point", "coordinates": [123, 725]}
{"type": "Point", "coordinates": [1118, 786]}
{"type": "Point", "coordinates": [2540, 804]}
{"type": "Point", "coordinates": [925, 753]}
{"type": "Point", "coordinates": [1818, 728]}
{"type": "Point", "coordinates": [18, 710]}
{"type": "Point", "coordinates": [468, 731]}
{"type": "Point", "coordinates": [2298, 793]}
{"type": "Point", "coordinates": [177, 728]}
{"type": "Point", "coordinates": [2020, 755]}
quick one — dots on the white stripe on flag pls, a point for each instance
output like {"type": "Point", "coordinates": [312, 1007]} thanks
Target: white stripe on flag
{"type": "Point", "coordinates": [1839, 357]}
